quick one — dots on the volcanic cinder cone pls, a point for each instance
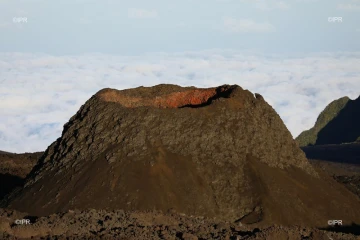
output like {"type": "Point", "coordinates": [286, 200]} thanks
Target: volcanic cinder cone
{"type": "Point", "coordinates": [217, 152]}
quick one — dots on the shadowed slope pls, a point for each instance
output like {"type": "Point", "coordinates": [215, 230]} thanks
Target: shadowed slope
{"type": "Point", "coordinates": [340, 153]}
{"type": "Point", "coordinates": [309, 137]}
{"type": "Point", "coordinates": [338, 123]}
{"type": "Point", "coordinates": [344, 128]}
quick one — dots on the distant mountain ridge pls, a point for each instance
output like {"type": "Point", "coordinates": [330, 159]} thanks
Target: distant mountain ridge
{"type": "Point", "coordinates": [338, 123]}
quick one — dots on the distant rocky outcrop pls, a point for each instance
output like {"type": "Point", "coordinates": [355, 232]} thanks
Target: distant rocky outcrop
{"type": "Point", "coordinates": [337, 123]}
{"type": "Point", "coordinates": [219, 152]}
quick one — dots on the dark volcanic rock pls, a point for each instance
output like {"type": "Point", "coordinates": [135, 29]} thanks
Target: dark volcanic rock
{"type": "Point", "coordinates": [337, 123]}
{"type": "Point", "coordinates": [14, 168]}
{"type": "Point", "coordinates": [217, 152]}
{"type": "Point", "coordinates": [136, 225]}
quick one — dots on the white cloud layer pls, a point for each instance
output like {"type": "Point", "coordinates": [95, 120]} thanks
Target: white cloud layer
{"type": "Point", "coordinates": [39, 93]}
{"type": "Point", "coordinates": [349, 6]}
{"type": "Point", "coordinates": [268, 5]}
{"type": "Point", "coordinates": [246, 25]}
{"type": "Point", "coordinates": [141, 13]}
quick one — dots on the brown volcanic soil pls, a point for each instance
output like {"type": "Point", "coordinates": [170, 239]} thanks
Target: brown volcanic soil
{"type": "Point", "coordinates": [135, 225]}
{"type": "Point", "coordinates": [221, 153]}
{"type": "Point", "coordinates": [14, 168]}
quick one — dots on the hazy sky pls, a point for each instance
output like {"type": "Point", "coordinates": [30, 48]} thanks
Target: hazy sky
{"type": "Point", "coordinates": [55, 54]}
{"type": "Point", "coordinates": [137, 26]}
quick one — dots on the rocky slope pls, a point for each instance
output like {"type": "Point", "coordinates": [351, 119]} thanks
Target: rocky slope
{"type": "Point", "coordinates": [14, 168]}
{"type": "Point", "coordinates": [220, 153]}
{"type": "Point", "coordinates": [337, 123]}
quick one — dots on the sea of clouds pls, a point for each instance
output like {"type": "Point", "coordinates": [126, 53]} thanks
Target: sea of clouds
{"type": "Point", "coordinates": [40, 92]}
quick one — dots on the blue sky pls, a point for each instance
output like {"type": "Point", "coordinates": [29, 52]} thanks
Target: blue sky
{"type": "Point", "coordinates": [138, 26]}
{"type": "Point", "coordinates": [68, 50]}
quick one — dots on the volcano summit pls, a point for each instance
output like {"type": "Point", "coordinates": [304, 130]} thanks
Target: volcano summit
{"type": "Point", "coordinates": [218, 152]}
